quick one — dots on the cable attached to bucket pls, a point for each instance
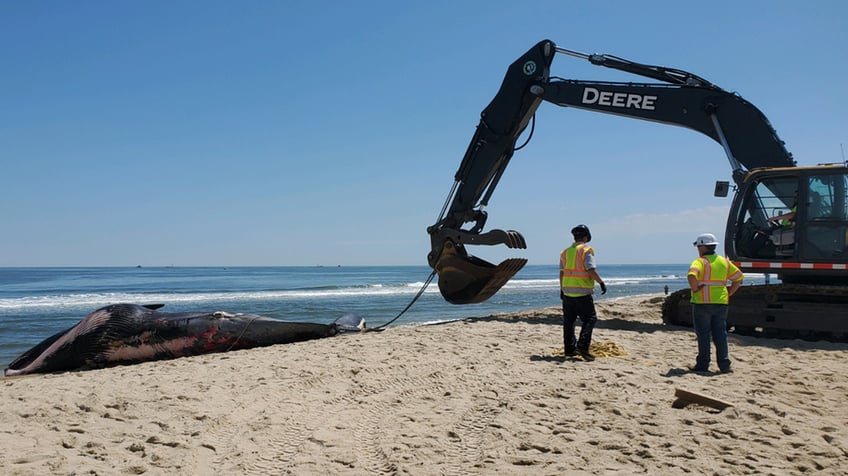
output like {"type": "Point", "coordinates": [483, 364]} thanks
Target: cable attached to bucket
{"type": "Point", "coordinates": [418, 295]}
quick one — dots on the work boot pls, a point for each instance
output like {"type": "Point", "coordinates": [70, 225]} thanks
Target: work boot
{"type": "Point", "coordinates": [587, 356]}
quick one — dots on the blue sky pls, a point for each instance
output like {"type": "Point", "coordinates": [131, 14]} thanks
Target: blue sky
{"type": "Point", "coordinates": [324, 133]}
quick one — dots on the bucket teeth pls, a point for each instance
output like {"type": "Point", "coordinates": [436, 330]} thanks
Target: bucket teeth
{"type": "Point", "coordinates": [469, 280]}
{"type": "Point", "coordinates": [503, 273]}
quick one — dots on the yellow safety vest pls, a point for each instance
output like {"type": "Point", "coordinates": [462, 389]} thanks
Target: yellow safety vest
{"type": "Point", "coordinates": [713, 271]}
{"type": "Point", "coordinates": [786, 223]}
{"type": "Point", "coordinates": [575, 279]}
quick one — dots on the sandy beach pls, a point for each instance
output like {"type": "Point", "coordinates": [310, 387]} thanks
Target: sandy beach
{"type": "Point", "coordinates": [484, 395]}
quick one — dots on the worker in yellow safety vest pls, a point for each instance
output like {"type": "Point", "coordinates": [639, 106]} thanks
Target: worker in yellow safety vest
{"type": "Point", "coordinates": [783, 226]}
{"type": "Point", "coordinates": [577, 277]}
{"type": "Point", "coordinates": [708, 276]}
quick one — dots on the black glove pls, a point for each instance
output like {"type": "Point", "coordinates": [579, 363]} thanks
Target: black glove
{"type": "Point", "coordinates": [561, 295]}
{"type": "Point", "coordinates": [603, 288]}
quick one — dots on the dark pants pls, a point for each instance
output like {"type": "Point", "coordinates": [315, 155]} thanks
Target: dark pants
{"type": "Point", "coordinates": [710, 323]}
{"type": "Point", "coordinates": [572, 308]}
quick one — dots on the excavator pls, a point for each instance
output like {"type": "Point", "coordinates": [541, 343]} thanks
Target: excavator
{"type": "Point", "coordinates": [807, 248]}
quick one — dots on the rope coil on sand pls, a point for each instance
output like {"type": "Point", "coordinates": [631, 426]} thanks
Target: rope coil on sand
{"type": "Point", "coordinates": [599, 349]}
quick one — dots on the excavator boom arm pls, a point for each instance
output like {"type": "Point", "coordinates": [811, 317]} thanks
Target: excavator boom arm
{"type": "Point", "coordinates": [749, 139]}
{"type": "Point", "coordinates": [681, 99]}
{"type": "Point", "coordinates": [465, 279]}
{"type": "Point", "coordinates": [501, 123]}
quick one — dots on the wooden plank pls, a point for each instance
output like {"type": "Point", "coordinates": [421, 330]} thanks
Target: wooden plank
{"type": "Point", "coordinates": [685, 397]}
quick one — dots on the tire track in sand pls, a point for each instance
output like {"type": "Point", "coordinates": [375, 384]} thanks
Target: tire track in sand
{"type": "Point", "coordinates": [401, 400]}
{"type": "Point", "coordinates": [258, 430]}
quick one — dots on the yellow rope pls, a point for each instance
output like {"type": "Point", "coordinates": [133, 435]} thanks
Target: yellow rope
{"type": "Point", "coordinates": [598, 349]}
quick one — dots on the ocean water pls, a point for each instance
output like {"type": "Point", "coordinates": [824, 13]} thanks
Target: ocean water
{"type": "Point", "coordinates": [35, 303]}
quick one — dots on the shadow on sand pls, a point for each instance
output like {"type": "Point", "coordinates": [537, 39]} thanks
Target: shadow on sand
{"type": "Point", "coordinates": [553, 317]}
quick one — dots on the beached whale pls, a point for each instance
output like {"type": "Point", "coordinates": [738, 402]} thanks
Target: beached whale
{"type": "Point", "coordinates": [130, 333]}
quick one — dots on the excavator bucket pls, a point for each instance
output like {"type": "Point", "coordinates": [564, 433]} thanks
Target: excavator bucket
{"type": "Point", "coordinates": [467, 279]}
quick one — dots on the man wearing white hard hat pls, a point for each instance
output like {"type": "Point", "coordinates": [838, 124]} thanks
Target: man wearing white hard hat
{"type": "Point", "coordinates": [708, 276]}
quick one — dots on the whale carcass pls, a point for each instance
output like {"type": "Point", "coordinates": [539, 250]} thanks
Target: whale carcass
{"type": "Point", "coordinates": [131, 333]}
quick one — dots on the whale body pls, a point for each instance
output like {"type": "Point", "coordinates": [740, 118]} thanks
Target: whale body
{"type": "Point", "coordinates": [130, 333]}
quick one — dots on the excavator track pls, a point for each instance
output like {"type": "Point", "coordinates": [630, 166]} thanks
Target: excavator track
{"type": "Point", "coordinates": [813, 312]}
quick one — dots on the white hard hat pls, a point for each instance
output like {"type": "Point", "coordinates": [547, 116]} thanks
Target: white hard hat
{"type": "Point", "coordinates": [705, 239]}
